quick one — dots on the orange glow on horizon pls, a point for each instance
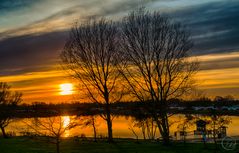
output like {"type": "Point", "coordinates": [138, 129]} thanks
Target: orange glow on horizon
{"type": "Point", "coordinates": [218, 75]}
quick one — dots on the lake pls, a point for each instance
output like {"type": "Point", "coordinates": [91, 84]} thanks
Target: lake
{"type": "Point", "coordinates": [123, 127]}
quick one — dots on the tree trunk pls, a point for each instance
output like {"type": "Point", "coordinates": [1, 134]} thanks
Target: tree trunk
{"type": "Point", "coordinates": [143, 132]}
{"type": "Point", "coordinates": [184, 134]}
{"type": "Point", "coordinates": [162, 123]}
{"type": "Point", "coordinates": [109, 125]}
{"type": "Point", "coordinates": [164, 133]}
{"type": "Point", "coordinates": [165, 127]}
{"type": "Point", "coordinates": [57, 145]}
{"type": "Point", "coordinates": [3, 132]}
{"type": "Point", "coordinates": [108, 114]}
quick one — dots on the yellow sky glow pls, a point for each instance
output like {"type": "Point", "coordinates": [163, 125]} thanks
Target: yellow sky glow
{"type": "Point", "coordinates": [48, 85]}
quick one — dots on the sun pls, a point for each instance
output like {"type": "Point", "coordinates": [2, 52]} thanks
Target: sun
{"type": "Point", "coordinates": [66, 89]}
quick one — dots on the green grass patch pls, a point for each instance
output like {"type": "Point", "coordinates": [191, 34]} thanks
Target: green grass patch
{"type": "Point", "coordinates": [40, 145]}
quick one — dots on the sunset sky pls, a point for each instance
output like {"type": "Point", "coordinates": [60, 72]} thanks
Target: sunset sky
{"type": "Point", "coordinates": [33, 32]}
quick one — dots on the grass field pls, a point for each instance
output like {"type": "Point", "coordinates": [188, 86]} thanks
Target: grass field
{"type": "Point", "coordinates": [27, 145]}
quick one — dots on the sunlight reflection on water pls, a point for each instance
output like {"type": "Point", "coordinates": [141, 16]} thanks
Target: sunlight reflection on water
{"type": "Point", "coordinates": [66, 122]}
{"type": "Point", "coordinates": [121, 126]}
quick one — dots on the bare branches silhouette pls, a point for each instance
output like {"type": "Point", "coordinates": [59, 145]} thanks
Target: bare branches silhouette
{"type": "Point", "coordinates": [8, 100]}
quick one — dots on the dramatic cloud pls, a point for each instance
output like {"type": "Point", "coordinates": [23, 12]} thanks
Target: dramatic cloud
{"type": "Point", "coordinates": [25, 53]}
{"type": "Point", "coordinates": [214, 26]}
{"type": "Point", "coordinates": [49, 16]}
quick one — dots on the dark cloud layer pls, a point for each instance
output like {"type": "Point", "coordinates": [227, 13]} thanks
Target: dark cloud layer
{"type": "Point", "coordinates": [7, 5]}
{"type": "Point", "coordinates": [26, 53]}
{"type": "Point", "coordinates": [214, 28]}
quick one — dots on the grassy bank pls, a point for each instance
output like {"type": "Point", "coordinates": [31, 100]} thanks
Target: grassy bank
{"type": "Point", "coordinates": [27, 145]}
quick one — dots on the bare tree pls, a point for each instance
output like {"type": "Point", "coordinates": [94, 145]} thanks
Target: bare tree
{"type": "Point", "coordinates": [134, 132]}
{"type": "Point", "coordinates": [217, 123]}
{"type": "Point", "coordinates": [157, 67]}
{"type": "Point", "coordinates": [185, 124]}
{"type": "Point", "coordinates": [148, 127]}
{"type": "Point", "coordinates": [53, 127]}
{"type": "Point", "coordinates": [142, 125]}
{"type": "Point", "coordinates": [91, 56]}
{"type": "Point", "coordinates": [91, 121]}
{"type": "Point", "coordinates": [8, 100]}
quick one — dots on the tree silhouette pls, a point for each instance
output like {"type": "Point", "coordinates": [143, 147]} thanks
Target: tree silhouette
{"type": "Point", "coordinates": [155, 51]}
{"type": "Point", "coordinates": [91, 121]}
{"type": "Point", "coordinates": [8, 100]}
{"type": "Point", "coordinates": [53, 127]}
{"type": "Point", "coordinates": [217, 123]}
{"type": "Point", "coordinates": [91, 56]}
{"type": "Point", "coordinates": [185, 124]}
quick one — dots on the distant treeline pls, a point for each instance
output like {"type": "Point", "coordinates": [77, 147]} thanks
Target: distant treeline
{"type": "Point", "coordinates": [220, 105]}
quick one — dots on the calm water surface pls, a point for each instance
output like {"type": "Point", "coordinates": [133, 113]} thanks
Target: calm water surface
{"type": "Point", "coordinates": [122, 127]}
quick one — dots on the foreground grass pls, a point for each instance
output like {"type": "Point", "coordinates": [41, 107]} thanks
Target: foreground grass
{"type": "Point", "coordinates": [27, 145]}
